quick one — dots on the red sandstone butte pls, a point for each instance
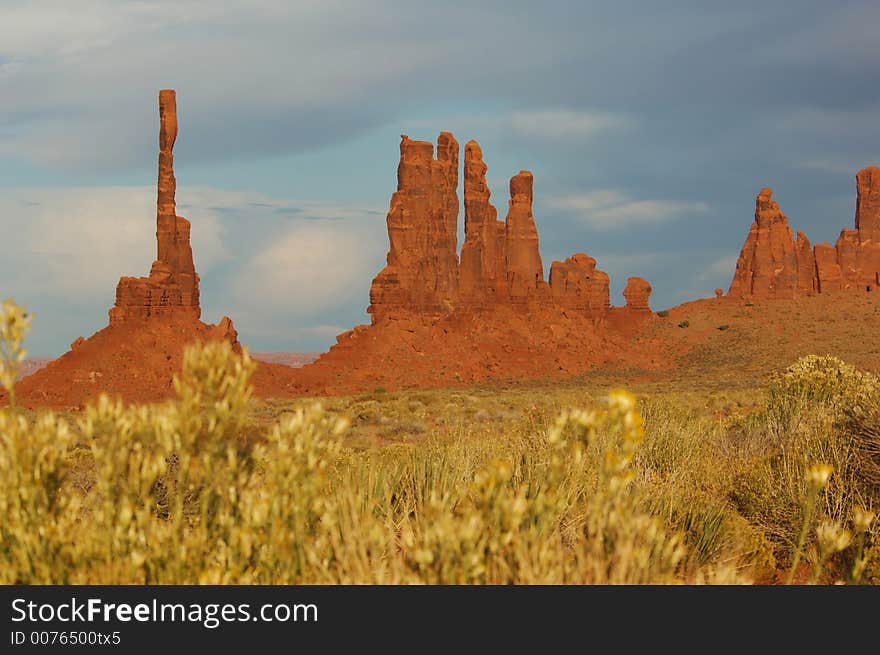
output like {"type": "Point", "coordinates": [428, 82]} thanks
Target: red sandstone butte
{"type": "Point", "coordinates": [483, 269]}
{"type": "Point", "coordinates": [525, 271]}
{"type": "Point", "coordinates": [868, 204]}
{"type": "Point", "coordinates": [577, 284]}
{"type": "Point", "coordinates": [829, 277]}
{"type": "Point", "coordinates": [493, 315]}
{"type": "Point", "coordinates": [866, 269]}
{"type": "Point", "coordinates": [500, 262]}
{"type": "Point", "coordinates": [172, 289]}
{"type": "Point", "coordinates": [637, 294]}
{"type": "Point", "coordinates": [152, 321]}
{"type": "Point", "coordinates": [806, 265]}
{"type": "Point", "coordinates": [767, 265]}
{"type": "Point", "coordinates": [771, 266]}
{"type": "Point", "coordinates": [421, 273]}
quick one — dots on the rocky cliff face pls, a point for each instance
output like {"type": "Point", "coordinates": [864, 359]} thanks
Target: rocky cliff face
{"type": "Point", "coordinates": [483, 270]}
{"type": "Point", "coordinates": [767, 266]}
{"type": "Point", "coordinates": [637, 294]}
{"type": "Point", "coordinates": [500, 264]}
{"type": "Point", "coordinates": [172, 289]}
{"type": "Point", "coordinates": [771, 265]}
{"type": "Point", "coordinates": [577, 284]}
{"type": "Point", "coordinates": [422, 264]}
{"type": "Point", "coordinates": [525, 271]}
{"type": "Point", "coordinates": [868, 204]}
{"type": "Point", "coordinates": [864, 268]}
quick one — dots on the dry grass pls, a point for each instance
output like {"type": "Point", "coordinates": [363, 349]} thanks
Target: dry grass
{"type": "Point", "coordinates": [523, 485]}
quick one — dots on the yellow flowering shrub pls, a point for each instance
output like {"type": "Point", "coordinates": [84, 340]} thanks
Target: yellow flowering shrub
{"type": "Point", "coordinates": [194, 491]}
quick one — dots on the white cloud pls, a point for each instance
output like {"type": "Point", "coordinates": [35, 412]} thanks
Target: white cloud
{"type": "Point", "coordinates": [611, 208]}
{"type": "Point", "coordinates": [311, 267]}
{"type": "Point", "coordinates": [287, 335]}
{"type": "Point", "coordinates": [284, 270]}
{"type": "Point", "coordinates": [80, 240]}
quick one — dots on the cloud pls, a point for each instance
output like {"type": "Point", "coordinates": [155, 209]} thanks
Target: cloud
{"type": "Point", "coordinates": [837, 165]}
{"type": "Point", "coordinates": [291, 337]}
{"type": "Point", "coordinates": [559, 125]}
{"type": "Point", "coordinates": [308, 269]}
{"type": "Point", "coordinates": [264, 78]}
{"type": "Point", "coordinates": [279, 267]}
{"type": "Point", "coordinates": [607, 209]}
{"type": "Point", "coordinates": [553, 124]}
{"type": "Point", "coordinates": [80, 240]}
{"type": "Point", "coordinates": [722, 267]}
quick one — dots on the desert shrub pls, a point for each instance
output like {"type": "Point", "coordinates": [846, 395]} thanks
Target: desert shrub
{"type": "Point", "coordinates": [825, 382]}
{"type": "Point", "coordinates": [724, 327]}
{"type": "Point", "coordinates": [192, 491]}
{"type": "Point", "coordinates": [663, 313]}
{"type": "Point", "coordinates": [817, 410]}
{"type": "Point", "coordinates": [684, 324]}
{"type": "Point", "coordinates": [863, 427]}
{"type": "Point", "coordinates": [14, 324]}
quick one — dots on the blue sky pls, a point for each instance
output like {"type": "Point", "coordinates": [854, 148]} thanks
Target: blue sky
{"type": "Point", "coordinates": [649, 127]}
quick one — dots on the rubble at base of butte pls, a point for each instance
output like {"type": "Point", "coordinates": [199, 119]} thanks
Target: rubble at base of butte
{"type": "Point", "coordinates": [774, 264]}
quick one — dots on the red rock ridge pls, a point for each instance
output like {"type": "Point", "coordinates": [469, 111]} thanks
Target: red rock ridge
{"type": "Point", "coordinates": [771, 265]}
{"type": "Point", "coordinates": [577, 284]}
{"type": "Point", "coordinates": [637, 294]}
{"type": "Point", "coordinates": [421, 273]}
{"type": "Point", "coordinates": [500, 262]}
{"type": "Point", "coordinates": [483, 268]}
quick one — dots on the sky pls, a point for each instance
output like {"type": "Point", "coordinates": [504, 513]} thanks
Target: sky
{"type": "Point", "coordinates": [649, 127]}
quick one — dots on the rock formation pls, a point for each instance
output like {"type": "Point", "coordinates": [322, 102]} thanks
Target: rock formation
{"type": "Point", "coordinates": [767, 265]}
{"type": "Point", "coordinates": [868, 204]}
{"type": "Point", "coordinates": [172, 289]}
{"type": "Point", "coordinates": [637, 294]}
{"type": "Point", "coordinates": [500, 262]}
{"type": "Point", "coordinates": [422, 266]}
{"type": "Point", "coordinates": [525, 271]}
{"type": "Point", "coordinates": [577, 284]}
{"type": "Point", "coordinates": [483, 270]}
{"type": "Point", "coordinates": [153, 320]}
{"type": "Point", "coordinates": [863, 270]}
{"type": "Point", "coordinates": [828, 274]}
{"type": "Point", "coordinates": [806, 265]}
{"type": "Point", "coordinates": [770, 265]}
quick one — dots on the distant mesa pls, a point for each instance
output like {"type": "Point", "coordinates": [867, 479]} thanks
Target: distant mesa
{"type": "Point", "coordinates": [775, 264]}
